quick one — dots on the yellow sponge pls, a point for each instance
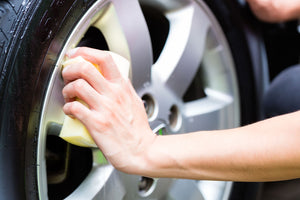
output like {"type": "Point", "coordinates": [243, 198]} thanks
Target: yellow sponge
{"type": "Point", "coordinates": [73, 131]}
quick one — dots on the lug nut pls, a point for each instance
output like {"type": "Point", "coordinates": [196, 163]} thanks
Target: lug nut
{"type": "Point", "coordinates": [148, 104]}
{"type": "Point", "coordinates": [146, 186]}
{"type": "Point", "coordinates": [174, 118]}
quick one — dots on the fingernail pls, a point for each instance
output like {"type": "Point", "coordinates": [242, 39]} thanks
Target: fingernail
{"type": "Point", "coordinates": [71, 52]}
{"type": "Point", "coordinates": [71, 116]}
{"type": "Point", "coordinates": [64, 69]}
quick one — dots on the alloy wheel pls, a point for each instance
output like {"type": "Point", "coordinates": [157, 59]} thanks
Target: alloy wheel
{"type": "Point", "coordinates": [182, 68]}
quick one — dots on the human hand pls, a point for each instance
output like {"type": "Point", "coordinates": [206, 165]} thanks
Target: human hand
{"type": "Point", "coordinates": [115, 116]}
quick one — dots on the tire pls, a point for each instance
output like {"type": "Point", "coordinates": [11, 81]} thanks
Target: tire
{"type": "Point", "coordinates": [34, 36]}
{"type": "Point", "coordinates": [28, 55]}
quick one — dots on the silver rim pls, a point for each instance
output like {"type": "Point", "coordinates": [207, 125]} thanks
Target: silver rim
{"type": "Point", "coordinates": [195, 53]}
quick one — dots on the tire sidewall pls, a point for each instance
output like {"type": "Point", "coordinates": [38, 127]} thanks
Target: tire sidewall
{"type": "Point", "coordinates": [35, 48]}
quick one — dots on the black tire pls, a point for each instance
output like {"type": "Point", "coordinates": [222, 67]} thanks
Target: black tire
{"type": "Point", "coordinates": [32, 33]}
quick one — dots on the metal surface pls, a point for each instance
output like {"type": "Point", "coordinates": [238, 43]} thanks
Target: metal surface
{"type": "Point", "coordinates": [195, 42]}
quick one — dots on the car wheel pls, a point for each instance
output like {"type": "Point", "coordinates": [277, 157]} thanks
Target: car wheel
{"type": "Point", "coordinates": [190, 63]}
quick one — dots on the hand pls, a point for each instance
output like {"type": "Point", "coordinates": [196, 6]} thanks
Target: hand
{"type": "Point", "coordinates": [115, 116]}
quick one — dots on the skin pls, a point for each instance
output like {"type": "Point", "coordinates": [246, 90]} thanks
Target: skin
{"type": "Point", "coordinates": [275, 10]}
{"type": "Point", "coordinates": [264, 151]}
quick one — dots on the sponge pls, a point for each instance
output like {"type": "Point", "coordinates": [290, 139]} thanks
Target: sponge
{"type": "Point", "coordinates": [73, 131]}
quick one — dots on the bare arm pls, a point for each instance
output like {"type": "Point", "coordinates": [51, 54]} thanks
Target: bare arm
{"type": "Point", "coordinates": [267, 150]}
{"type": "Point", "coordinates": [275, 10]}
{"type": "Point", "coordinates": [116, 119]}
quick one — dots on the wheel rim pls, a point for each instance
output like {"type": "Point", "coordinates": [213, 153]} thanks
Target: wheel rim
{"type": "Point", "coordinates": [189, 85]}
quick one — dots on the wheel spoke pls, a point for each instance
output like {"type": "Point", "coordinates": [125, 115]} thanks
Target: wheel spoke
{"type": "Point", "coordinates": [125, 30]}
{"type": "Point", "coordinates": [215, 189]}
{"type": "Point", "coordinates": [184, 47]}
{"type": "Point", "coordinates": [102, 183]}
{"type": "Point", "coordinates": [185, 189]}
{"type": "Point", "coordinates": [214, 111]}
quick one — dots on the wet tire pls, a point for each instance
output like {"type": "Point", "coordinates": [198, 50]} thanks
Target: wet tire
{"type": "Point", "coordinates": [31, 36]}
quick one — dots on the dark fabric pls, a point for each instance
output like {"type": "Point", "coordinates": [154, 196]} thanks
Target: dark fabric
{"type": "Point", "coordinates": [283, 95]}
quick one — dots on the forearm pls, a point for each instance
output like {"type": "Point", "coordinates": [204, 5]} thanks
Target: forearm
{"type": "Point", "coordinates": [275, 10]}
{"type": "Point", "coordinates": [267, 150]}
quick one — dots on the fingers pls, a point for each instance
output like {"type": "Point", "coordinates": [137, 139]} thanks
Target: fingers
{"type": "Point", "coordinates": [77, 110]}
{"type": "Point", "coordinates": [84, 70]}
{"type": "Point", "coordinates": [102, 58]}
{"type": "Point", "coordinates": [102, 92]}
{"type": "Point", "coordinates": [82, 90]}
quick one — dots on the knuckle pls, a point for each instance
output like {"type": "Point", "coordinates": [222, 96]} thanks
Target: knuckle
{"type": "Point", "coordinates": [81, 50]}
{"type": "Point", "coordinates": [119, 96]}
{"type": "Point", "coordinates": [74, 108]}
{"type": "Point", "coordinates": [104, 122]}
{"type": "Point", "coordinates": [81, 83]}
{"type": "Point", "coordinates": [78, 85]}
{"type": "Point", "coordinates": [107, 56]}
{"type": "Point", "coordinates": [84, 68]}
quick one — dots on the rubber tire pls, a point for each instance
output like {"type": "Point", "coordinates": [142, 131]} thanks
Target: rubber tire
{"type": "Point", "coordinates": [32, 34]}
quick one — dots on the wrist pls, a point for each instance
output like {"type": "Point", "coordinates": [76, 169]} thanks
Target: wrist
{"type": "Point", "coordinates": [149, 158]}
{"type": "Point", "coordinates": [138, 161]}
{"type": "Point", "coordinates": [159, 160]}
